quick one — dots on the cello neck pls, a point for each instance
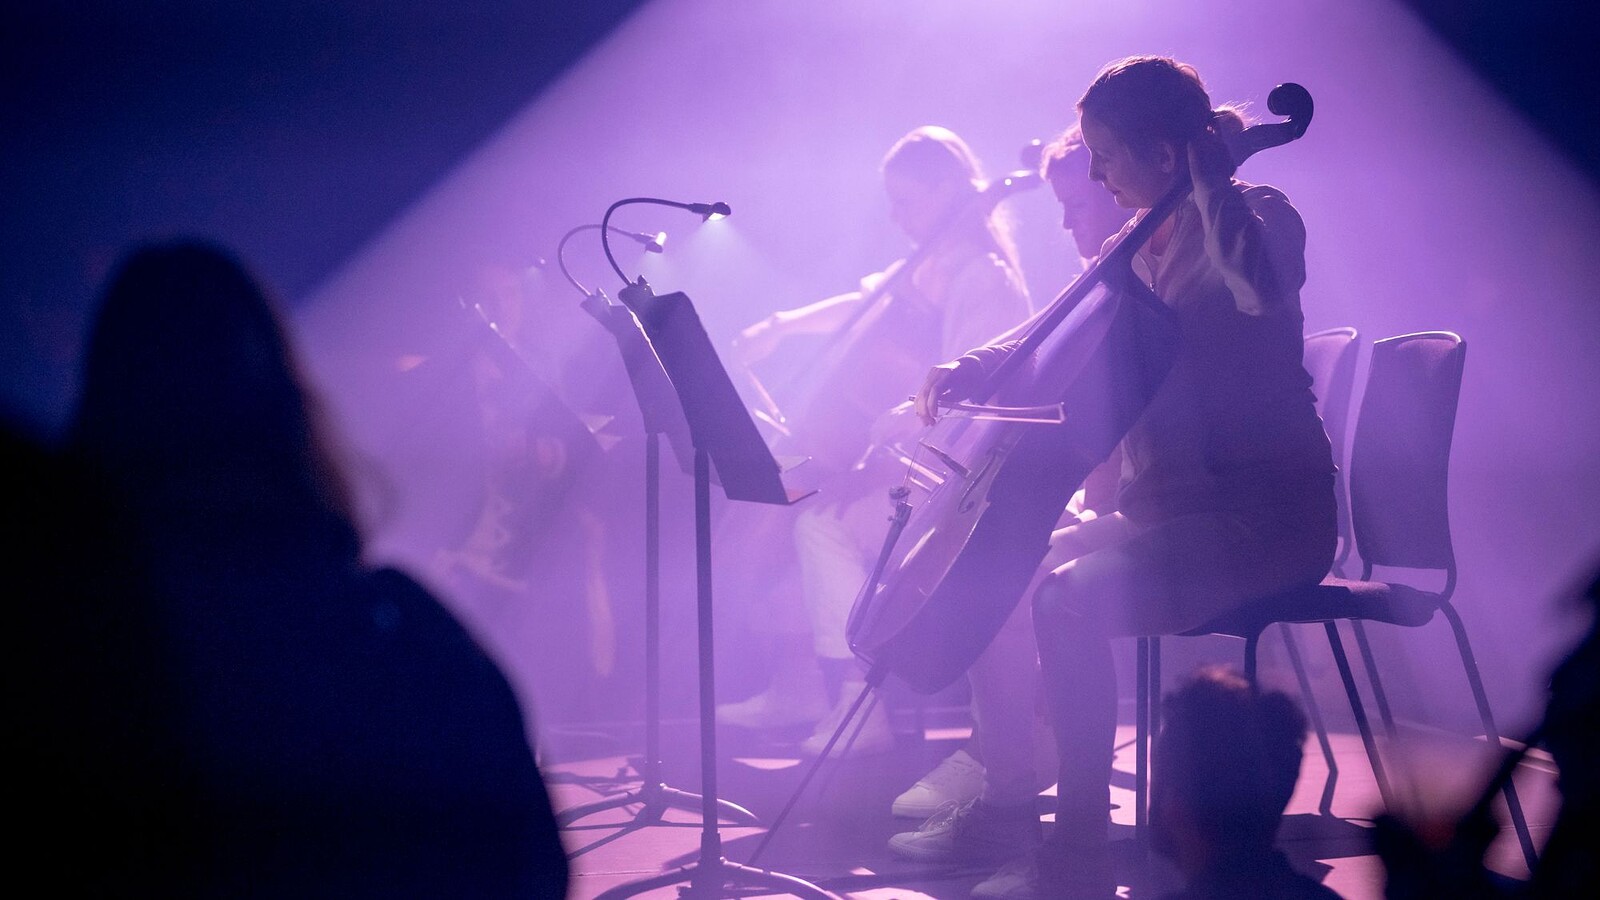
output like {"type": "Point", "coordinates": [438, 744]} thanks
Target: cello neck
{"type": "Point", "coordinates": [1113, 268]}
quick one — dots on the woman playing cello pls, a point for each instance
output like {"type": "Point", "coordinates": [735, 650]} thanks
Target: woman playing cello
{"type": "Point", "coordinates": [964, 287]}
{"type": "Point", "coordinates": [1227, 485]}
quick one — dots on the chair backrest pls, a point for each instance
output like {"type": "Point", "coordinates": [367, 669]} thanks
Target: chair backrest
{"type": "Point", "coordinates": [1330, 359]}
{"type": "Point", "coordinates": [1399, 463]}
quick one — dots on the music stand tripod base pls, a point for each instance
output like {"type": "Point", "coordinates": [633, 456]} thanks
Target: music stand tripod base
{"type": "Point", "coordinates": [703, 881]}
{"type": "Point", "coordinates": [654, 799]}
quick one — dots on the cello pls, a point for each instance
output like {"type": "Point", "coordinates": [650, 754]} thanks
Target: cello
{"type": "Point", "coordinates": [995, 488]}
{"type": "Point", "coordinates": [828, 408]}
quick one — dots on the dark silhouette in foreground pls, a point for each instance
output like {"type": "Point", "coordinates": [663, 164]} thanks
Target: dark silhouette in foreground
{"type": "Point", "coordinates": [1225, 766]}
{"type": "Point", "coordinates": [279, 718]}
{"type": "Point", "coordinates": [1446, 858]}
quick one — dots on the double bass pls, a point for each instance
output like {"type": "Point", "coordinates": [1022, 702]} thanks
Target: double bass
{"type": "Point", "coordinates": [996, 488]}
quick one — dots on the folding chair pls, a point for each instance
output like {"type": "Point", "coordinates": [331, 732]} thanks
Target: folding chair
{"type": "Point", "coordinates": [1399, 513]}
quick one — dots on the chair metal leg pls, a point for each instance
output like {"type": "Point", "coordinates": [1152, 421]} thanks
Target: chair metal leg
{"type": "Point", "coordinates": [1314, 713]}
{"type": "Point", "coordinates": [1379, 695]}
{"type": "Point", "coordinates": [1369, 661]}
{"type": "Point", "coordinates": [1152, 720]}
{"type": "Point", "coordinates": [1358, 709]}
{"type": "Point", "coordinates": [1470, 663]}
{"type": "Point", "coordinates": [1144, 648]}
{"type": "Point", "coordinates": [1153, 703]}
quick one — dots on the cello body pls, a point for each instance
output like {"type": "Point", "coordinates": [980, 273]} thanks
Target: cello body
{"type": "Point", "coordinates": [999, 489]}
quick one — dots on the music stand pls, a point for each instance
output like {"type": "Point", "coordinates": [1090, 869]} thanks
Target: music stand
{"type": "Point", "coordinates": [722, 431]}
{"type": "Point", "coordinates": [662, 415]}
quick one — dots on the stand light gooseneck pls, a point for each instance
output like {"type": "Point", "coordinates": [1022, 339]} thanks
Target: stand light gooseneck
{"type": "Point", "coordinates": [653, 243]}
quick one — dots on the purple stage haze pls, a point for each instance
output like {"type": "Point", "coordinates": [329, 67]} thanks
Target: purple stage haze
{"type": "Point", "coordinates": [1430, 204]}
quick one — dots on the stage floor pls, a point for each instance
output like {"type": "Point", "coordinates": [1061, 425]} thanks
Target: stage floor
{"type": "Point", "coordinates": [837, 835]}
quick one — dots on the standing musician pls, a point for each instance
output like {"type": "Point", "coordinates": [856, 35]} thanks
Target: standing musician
{"type": "Point", "coordinates": [1227, 484]}
{"type": "Point", "coordinates": [966, 287]}
{"type": "Point", "coordinates": [1002, 765]}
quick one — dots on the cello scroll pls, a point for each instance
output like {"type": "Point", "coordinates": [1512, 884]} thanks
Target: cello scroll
{"type": "Point", "coordinates": [1289, 100]}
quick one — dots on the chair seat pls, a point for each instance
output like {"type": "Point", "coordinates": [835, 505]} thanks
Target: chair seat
{"type": "Point", "coordinates": [1334, 598]}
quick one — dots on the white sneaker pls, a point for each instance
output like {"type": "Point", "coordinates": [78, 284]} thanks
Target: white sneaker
{"type": "Point", "coordinates": [958, 778]}
{"type": "Point", "coordinates": [1016, 880]}
{"type": "Point", "coordinates": [772, 709]}
{"type": "Point", "coordinates": [875, 735]}
{"type": "Point", "coordinates": [1070, 876]}
{"type": "Point", "coordinates": [971, 832]}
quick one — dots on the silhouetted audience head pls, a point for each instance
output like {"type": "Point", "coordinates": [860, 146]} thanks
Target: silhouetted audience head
{"type": "Point", "coordinates": [1224, 769]}
{"type": "Point", "coordinates": [193, 405]}
{"type": "Point", "coordinates": [1228, 758]}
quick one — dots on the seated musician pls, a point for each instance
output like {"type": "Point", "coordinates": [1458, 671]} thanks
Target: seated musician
{"type": "Point", "coordinates": [979, 803]}
{"type": "Point", "coordinates": [1227, 486]}
{"type": "Point", "coordinates": [966, 288]}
